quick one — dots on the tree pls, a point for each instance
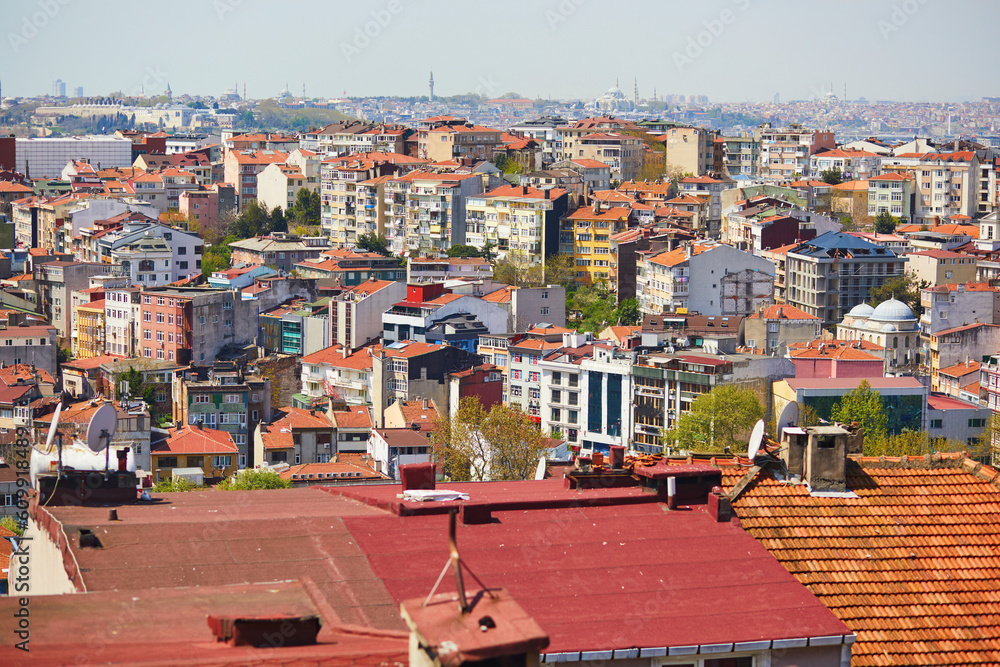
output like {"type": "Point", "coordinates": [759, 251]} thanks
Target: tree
{"type": "Point", "coordinates": [216, 258]}
{"type": "Point", "coordinates": [595, 304]}
{"type": "Point", "coordinates": [865, 406]}
{"type": "Point", "coordinates": [276, 221]}
{"type": "Point", "coordinates": [832, 176]}
{"type": "Point", "coordinates": [904, 287]}
{"type": "Point", "coordinates": [369, 242]}
{"type": "Point", "coordinates": [460, 250]}
{"type": "Point", "coordinates": [559, 269]}
{"type": "Point", "coordinates": [627, 313]}
{"type": "Point", "coordinates": [254, 480]}
{"type": "Point", "coordinates": [254, 219]}
{"type": "Point", "coordinates": [516, 269]}
{"type": "Point", "coordinates": [11, 524]}
{"type": "Point", "coordinates": [306, 209]}
{"type": "Point", "coordinates": [911, 443]}
{"type": "Point", "coordinates": [885, 223]}
{"type": "Point", "coordinates": [136, 385]}
{"type": "Point", "coordinates": [984, 448]}
{"type": "Point", "coordinates": [501, 444]}
{"type": "Point", "coordinates": [175, 485]}
{"type": "Point", "coordinates": [719, 419]}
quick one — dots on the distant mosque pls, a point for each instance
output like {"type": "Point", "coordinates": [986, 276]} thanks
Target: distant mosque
{"type": "Point", "coordinates": [613, 101]}
{"type": "Point", "coordinates": [891, 324]}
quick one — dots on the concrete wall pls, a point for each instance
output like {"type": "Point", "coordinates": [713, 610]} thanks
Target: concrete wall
{"type": "Point", "coordinates": [527, 304]}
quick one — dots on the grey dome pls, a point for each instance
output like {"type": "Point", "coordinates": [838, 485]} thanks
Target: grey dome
{"type": "Point", "coordinates": [861, 310]}
{"type": "Point", "coordinates": [892, 310]}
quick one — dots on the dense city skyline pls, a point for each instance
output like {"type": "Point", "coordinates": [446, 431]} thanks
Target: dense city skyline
{"type": "Point", "coordinates": [387, 48]}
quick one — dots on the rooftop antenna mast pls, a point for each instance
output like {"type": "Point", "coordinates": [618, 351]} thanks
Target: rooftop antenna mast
{"type": "Point", "coordinates": [456, 563]}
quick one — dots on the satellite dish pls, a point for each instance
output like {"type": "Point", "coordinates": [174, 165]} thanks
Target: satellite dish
{"type": "Point", "coordinates": [53, 428]}
{"type": "Point", "coordinates": [756, 437]}
{"type": "Point", "coordinates": [789, 417]}
{"type": "Point", "coordinates": [102, 425]}
{"type": "Point", "coordinates": [540, 470]}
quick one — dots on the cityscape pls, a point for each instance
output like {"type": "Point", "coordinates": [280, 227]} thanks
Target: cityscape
{"type": "Point", "coordinates": [643, 334]}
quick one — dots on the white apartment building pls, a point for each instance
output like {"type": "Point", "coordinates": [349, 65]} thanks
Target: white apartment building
{"type": "Point", "coordinates": [944, 184]}
{"type": "Point", "coordinates": [46, 156]}
{"type": "Point", "coordinates": [706, 277]}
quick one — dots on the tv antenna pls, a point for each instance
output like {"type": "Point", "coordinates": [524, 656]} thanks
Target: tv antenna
{"type": "Point", "coordinates": [100, 430]}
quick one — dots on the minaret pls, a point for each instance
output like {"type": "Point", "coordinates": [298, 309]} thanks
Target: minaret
{"type": "Point", "coordinates": [430, 85]}
{"type": "Point", "coordinates": [636, 92]}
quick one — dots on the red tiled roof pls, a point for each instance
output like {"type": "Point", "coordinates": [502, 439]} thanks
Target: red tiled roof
{"type": "Point", "coordinates": [910, 565]}
{"type": "Point", "coordinates": [194, 440]}
{"type": "Point", "coordinates": [354, 417]}
{"type": "Point", "coordinates": [783, 312]}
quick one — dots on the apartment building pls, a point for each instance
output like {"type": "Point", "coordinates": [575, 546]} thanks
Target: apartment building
{"type": "Point", "coordinates": [352, 193]}
{"type": "Point", "coordinates": [854, 165]}
{"type": "Point", "coordinates": [951, 305]}
{"type": "Point", "coordinates": [570, 135]}
{"type": "Point", "coordinates": [622, 153]}
{"type": "Point", "coordinates": [211, 450]}
{"type": "Point", "coordinates": [664, 387]}
{"type": "Point", "coordinates": [55, 282]}
{"type": "Point", "coordinates": [427, 211]}
{"type": "Point", "coordinates": [689, 150]}
{"type": "Point", "coordinates": [427, 303]}
{"type": "Point", "coordinates": [338, 375]}
{"type": "Point", "coordinates": [518, 221]}
{"type": "Point", "coordinates": [891, 193]}
{"type": "Point", "coordinates": [448, 138]}
{"type": "Point", "coordinates": [740, 156]}
{"type": "Point", "coordinates": [354, 136]}
{"type": "Point", "coordinates": [772, 329]}
{"type": "Point", "coordinates": [279, 250]}
{"type": "Point", "coordinates": [940, 267]}
{"type": "Point", "coordinates": [25, 340]}
{"type": "Point", "coordinates": [706, 277]}
{"type": "Point", "coordinates": [241, 168]}
{"type": "Point", "coordinates": [785, 153]}
{"type": "Point", "coordinates": [587, 232]}
{"type": "Point", "coordinates": [944, 184]}
{"type": "Point", "coordinates": [829, 275]}
{"type": "Point", "coordinates": [356, 313]}
{"type": "Point", "coordinates": [706, 187]}
{"type": "Point", "coordinates": [278, 186]}
{"type": "Point", "coordinates": [591, 175]}
{"type": "Point", "coordinates": [441, 269]}
{"type": "Point", "coordinates": [295, 436]}
{"type": "Point", "coordinates": [350, 266]}
{"type": "Point", "coordinates": [222, 396]}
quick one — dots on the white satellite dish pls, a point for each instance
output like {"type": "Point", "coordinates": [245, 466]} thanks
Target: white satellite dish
{"type": "Point", "coordinates": [102, 427]}
{"type": "Point", "coordinates": [540, 469]}
{"type": "Point", "coordinates": [789, 417]}
{"type": "Point", "coordinates": [756, 438]}
{"type": "Point", "coordinates": [53, 428]}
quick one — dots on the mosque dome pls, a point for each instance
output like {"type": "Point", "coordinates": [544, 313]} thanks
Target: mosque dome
{"type": "Point", "coordinates": [892, 310]}
{"type": "Point", "coordinates": [862, 310]}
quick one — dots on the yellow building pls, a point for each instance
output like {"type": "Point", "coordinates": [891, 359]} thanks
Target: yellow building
{"type": "Point", "coordinates": [591, 232]}
{"type": "Point", "coordinates": [851, 199]}
{"type": "Point", "coordinates": [213, 451]}
{"type": "Point", "coordinates": [90, 330]}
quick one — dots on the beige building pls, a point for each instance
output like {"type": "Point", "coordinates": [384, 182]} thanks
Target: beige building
{"type": "Point", "coordinates": [689, 150]}
{"type": "Point", "coordinates": [278, 186]}
{"type": "Point", "coordinates": [945, 184]}
{"type": "Point", "coordinates": [458, 141]}
{"type": "Point", "coordinates": [940, 267]}
{"type": "Point", "coordinates": [623, 153]}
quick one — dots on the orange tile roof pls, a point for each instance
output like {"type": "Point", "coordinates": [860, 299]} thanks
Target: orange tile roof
{"type": "Point", "coordinates": [414, 412]}
{"type": "Point", "coordinates": [333, 356]}
{"type": "Point", "coordinates": [10, 375]}
{"type": "Point", "coordinates": [679, 254]}
{"type": "Point", "coordinates": [194, 440]}
{"type": "Point", "coordinates": [958, 370]}
{"type": "Point", "coordinates": [587, 213]}
{"type": "Point", "coordinates": [910, 565]}
{"type": "Point", "coordinates": [317, 472]}
{"type": "Point", "coordinates": [501, 295]}
{"type": "Point", "coordinates": [299, 418]}
{"type": "Point", "coordinates": [783, 312]}
{"type": "Point", "coordinates": [354, 417]}
{"type": "Point", "coordinates": [837, 353]}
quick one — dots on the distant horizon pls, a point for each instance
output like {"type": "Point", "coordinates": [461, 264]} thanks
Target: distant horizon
{"type": "Point", "coordinates": [732, 51]}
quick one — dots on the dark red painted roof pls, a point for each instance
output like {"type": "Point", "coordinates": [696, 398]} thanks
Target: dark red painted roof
{"type": "Point", "coordinates": [619, 575]}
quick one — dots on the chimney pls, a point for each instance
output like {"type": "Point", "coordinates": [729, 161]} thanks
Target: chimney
{"type": "Point", "coordinates": [426, 404]}
{"type": "Point", "coordinates": [524, 189]}
{"type": "Point", "coordinates": [817, 455]}
{"type": "Point", "coordinates": [689, 249]}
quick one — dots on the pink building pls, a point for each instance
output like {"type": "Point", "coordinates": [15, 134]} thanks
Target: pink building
{"type": "Point", "coordinates": [835, 361]}
{"type": "Point", "coordinates": [201, 206]}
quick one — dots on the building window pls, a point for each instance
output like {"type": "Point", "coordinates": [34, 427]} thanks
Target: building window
{"type": "Point", "coordinates": [222, 461]}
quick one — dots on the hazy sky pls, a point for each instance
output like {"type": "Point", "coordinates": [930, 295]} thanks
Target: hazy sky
{"type": "Point", "coordinates": [730, 50]}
